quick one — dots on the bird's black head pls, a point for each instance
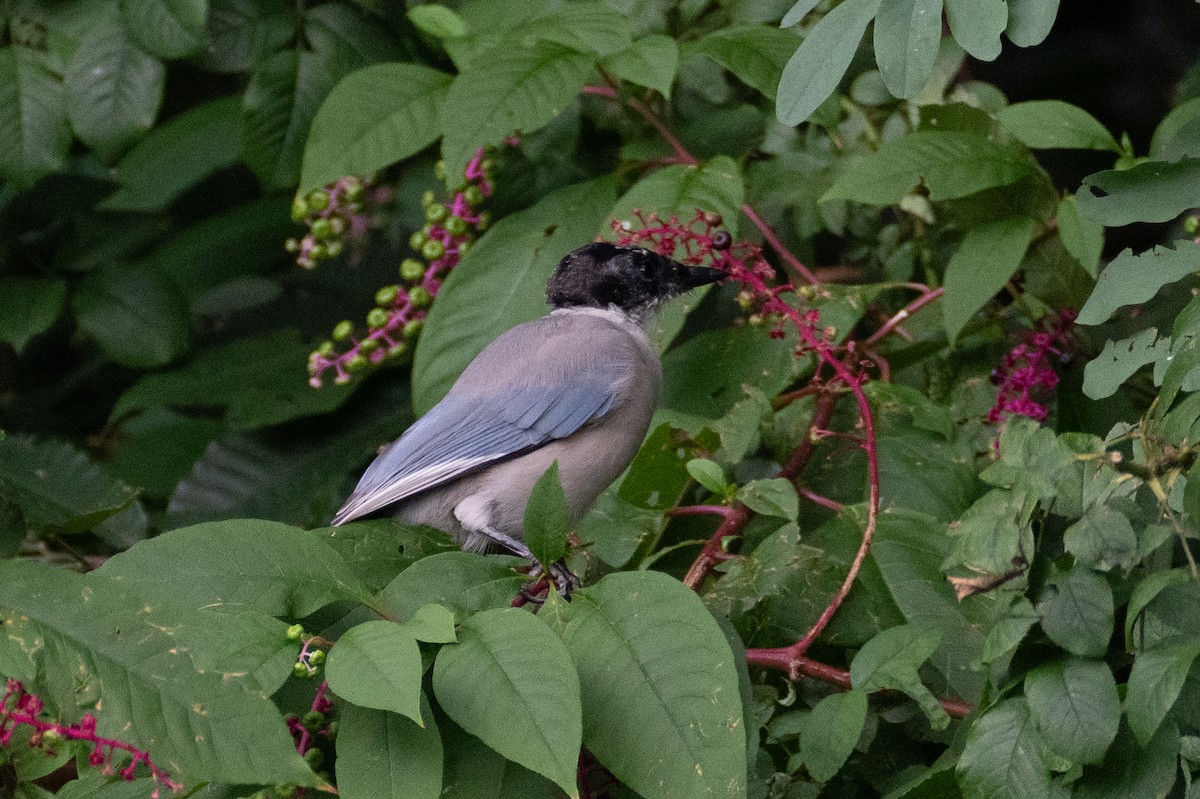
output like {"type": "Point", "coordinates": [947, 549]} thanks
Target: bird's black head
{"type": "Point", "coordinates": [631, 279]}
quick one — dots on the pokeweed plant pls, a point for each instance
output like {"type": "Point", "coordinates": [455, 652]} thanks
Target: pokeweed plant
{"type": "Point", "coordinates": [917, 516]}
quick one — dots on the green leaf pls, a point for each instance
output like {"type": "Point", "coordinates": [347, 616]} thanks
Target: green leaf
{"type": "Point", "coordinates": [1157, 677]}
{"type": "Point", "coordinates": [176, 155]}
{"type": "Point", "coordinates": [245, 564]}
{"type": "Point", "coordinates": [1004, 757]}
{"type": "Point", "coordinates": [1143, 594]}
{"type": "Point", "coordinates": [1082, 236]}
{"type": "Point", "coordinates": [377, 664]}
{"type": "Point", "coordinates": [258, 380]}
{"type": "Point", "coordinates": [464, 582]}
{"type": "Point", "coordinates": [652, 62]}
{"type": "Point", "coordinates": [977, 25]}
{"type": "Point", "coordinates": [891, 660]}
{"type": "Point", "coordinates": [988, 257]}
{"type": "Point", "coordinates": [646, 648]}
{"type": "Point", "coordinates": [510, 682]}
{"type": "Point", "coordinates": [831, 731]}
{"type": "Point", "coordinates": [547, 519]}
{"type": "Point", "coordinates": [774, 497]}
{"type": "Point", "coordinates": [513, 90]}
{"type": "Point", "coordinates": [813, 72]}
{"type": "Point", "coordinates": [57, 489]}
{"type": "Point", "coordinates": [88, 642]}
{"type": "Point", "coordinates": [681, 189]}
{"type": "Point", "coordinates": [708, 474]}
{"type": "Point", "coordinates": [280, 101]}
{"type": "Point", "coordinates": [165, 28]}
{"type": "Point", "coordinates": [798, 12]}
{"type": "Point", "coordinates": [29, 306]}
{"type": "Point", "coordinates": [1131, 770]}
{"type": "Point", "coordinates": [907, 36]}
{"type": "Point", "coordinates": [1133, 279]}
{"type": "Point", "coordinates": [371, 119]}
{"type": "Point", "coordinates": [135, 314]}
{"type": "Point", "coordinates": [114, 89]}
{"type": "Point", "coordinates": [950, 164]}
{"type": "Point", "coordinates": [1103, 539]}
{"type": "Point", "coordinates": [242, 32]}
{"type": "Point", "coordinates": [501, 282]}
{"type": "Point", "coordinates": [1152, 191]}
{"type": "Point", "coordinates": [381, 754]}
{"type": "Point", "coordinates": [474, 771]}
{"type": "Point", "coordinates": [755, 54]}
{"type": "Point", "coordinates": [1049, 124]}
{"type": "Point", "coordinates": [1029, 21]}
{"type": "Point", "coordinates": [33, 116]}
{"type": "Point", "coordinates": [589, 27]}
{"type": "Point", "coordinates": [437, 20]}
{"type": "Point", "coordinates": [705, 375]}
{"type": "Point", "coordinates": [433, 624]}
{"type": "Point", "coordinates": [1119, 360]}
{"type": "Point", "coordinates": [1077, 612]}
{"type": "Point", "coordinates": [377, 550]}
{"type": "Point", "coordinates": [1075, 706]}
{"type": "Point", "coordinates": [1176, 135]}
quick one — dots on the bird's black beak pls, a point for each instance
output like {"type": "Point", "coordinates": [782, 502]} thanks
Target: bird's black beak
{"type": "Point", "coordinates": [695, 276]}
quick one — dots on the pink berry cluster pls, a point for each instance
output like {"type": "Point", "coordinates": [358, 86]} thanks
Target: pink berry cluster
{"type": "Point", "coordinates": [1028, 369]}
{"type": "Point", "coordinates": [18, 707]}
{"type": "Point", "coordinates": [396, 321]}
{"type": "Point", "coordinates": [334, 215]}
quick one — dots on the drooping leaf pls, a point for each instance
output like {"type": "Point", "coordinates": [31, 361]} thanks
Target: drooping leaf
{"type": "Point", "coordinates": [907, 36]}
{"type": "Point", "coordinates": [33, 116]}
{"type": "Point", "coordinates": [547, 519]}
{"type": "Point", "coordinates": [1029, 21]}
{"type": "Point", "coordinates": [977, 25]}
{"type": "Point", "coordinates": [501, 282]}
{"type": "Point", "coordinates": [1075, 706]}
{"type": "Point", "coordinates": [382, 754]}
{"type": "Point", "coordinates": [646, 647]}
{"type": "Point", "coordinates": [1004, 757]}
{"type": "Point", "coordinates": [135, 314]}
{"type": "Point", "coordinates": [1157, 677]}
{"type": "Point", "coordinates": [1152, 191]}
{"type": "Point", "coordinates": [891, 660]}
{"type": "Point", "coordinates": [987, 258]}
{"type": "Point", "coordinates": [510, 682]}
{"type": "Point", "coordinates": [814, 71]}
{"type": "Point", "coordinates": [1133, 279]}
{"type": "Point", "coordinates": [165, 28]}
{"type": "Point", "coordinates": [753, 53]}
{"type": "Point", "coordinates": [1047, 124]}
{"type": "Point", "coordinates": [377, 664]}
{"type": "Point", "coordinates": [831, 731]}
{"type": "Point", "coordinates": [652, 62]}
{"type": "Point", "coordinates": [29, 306]}
{"type": "Point", "coordinates": [1082, 236]}
{"type": "Point", "coordinates": [371, 119]}
{"type": "Point", "coordinates": [950, 165]}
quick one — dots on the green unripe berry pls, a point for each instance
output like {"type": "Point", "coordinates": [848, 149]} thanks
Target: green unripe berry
{"type": "Point", "coordinates": [301, 670]}
{"type": "Point", "coordinates": [464, 247]}
{"type": "Point", "coordinates": [417, 240]}
{"type": "Point", "coordinates": [319, 252]}
{"type": "Point", "coordinates": [435, 212]}
{"type": "Point", "coordinates": [337, 225]}
{"type": "Point", "coordinates": [413, 329]}
{"type": "Point", "coordinates": [487, 165]}
{"type": "Point", "coordinates": [326, 348]}
{"type": "Point", "coordinates": [439, 170]}
{"type": "Point", "coordinates": [428, 198]}
{"type": "Point", "coordinates": [355, 192]}
{"type": "Point", "coordinates": [317, 200]}
{"type": "Point", "coordinates": [52, 737]}
{"type": "Point", "coordinates": [295, 631]}
{"type": "Point", "coordinates": [473, 195]}
{"type": "Point", "coordinates": [485, 221]}
{"type": "Point", "coordinates": [313, 720]}
{"type": "Point", "coordinates": [377, 318]}
{"type": "Point", "coordinates": [455, 226]}
{"type": "Point", "coordinates": [357, 363]}
{"type": "Point", "coordinates": [386, 295]}
{"type": "Point", "coordinates": [333, 728]}
{"type": "Point", "coordinates": [411, 270]}
{"type": "Point", "coordinates": [291, 245]}
{"type": "Point", "coordinates": [315, 657]}
{"type": "Point", "coordinates": [342, 330]}
{"type": "Point", "coordinates": [1191, 225]}
{"type": "Point", "coordinates": [334, 248]}
{"type": "Point", "coordinates": [322, 229]}
{"type": "Point", "coordinates": [433, 249]}
{"type": "Point", "coordinates": [397, 350]}
{"type": "Point", "coordinates": [420, 297]}
{"type": "Point", "coordinates": [314, 757]}
{"type": "Point", "coordinates": [368, 345]}
{"type": "Point", "coordinates": [299, 209]}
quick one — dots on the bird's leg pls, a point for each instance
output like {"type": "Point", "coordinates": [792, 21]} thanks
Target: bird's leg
{"type": "Point", "coordinates": [564, 580]}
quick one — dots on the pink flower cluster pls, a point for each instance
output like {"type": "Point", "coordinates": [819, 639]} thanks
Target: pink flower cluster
{"type": "Point", "coordinates": [396, 322]}
{"type": "Point", "coordinates": [19, 707]}
{"type": "Point", "coordinates": [1028, 371]}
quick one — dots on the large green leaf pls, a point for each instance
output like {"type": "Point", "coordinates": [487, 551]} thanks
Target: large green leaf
{"type": "Point", "coordinates": [1131, 770]}
{"type": "Point", "coordinates": [1075, 706]}
{"type": "Point", "coordinates": [831, 732]}
{"type": "Point", "coordinates": [510, 682]}
{"type": "Point", "coordinates": [950, 164]}
{"type": "Point", "coordinates": [377, 664]}
{"type": "Point", "coordinates": [245, 564]}
{"type": "Point", "coordinates": [1157, 677]}
{"type": "Point", "coordinates": [907, 36]}
{"type": "Point", "coordinates": [891, 660]}
{"type": "Point", "coordinates": [33, 116]}
{"type": "Point", "coordinates": [176, 155]}
{"type": "Point", "coordinates": [135, 314]}
{"type": "Point", "coordinates": [704, 375]}
{"type": "Point", "coordinates": [381, 754]}
{"type": "Point", "coordinates": [547, 519]}
{"type": "Point", "coordinates": [754, 53]}
{"type": "Point", "coordinates": [114, 89]}
{"type": "Point", "coordinates": [475, 771]}
{"type": "Point", "coordinates": [373, 118]}
{"type": "Point", "coordinates": [1029, 21]}
{"type": "Point", "coordinates": [1152, 191]}
{"type": "Point", "coordinates": [987, 258]}
{"type": "Point", "coordinates": [501, 282]}
{"type": "Point", "coordinates": [510, 90]}
{"type": "Point", "coordinates": [55, 486]}
{"type": "Point", "coordinates": [464, 582]}
{"type": "Point", "coordinates": [1047, 124]}
{"type": "Point", "coordinates": [166, 28]}
{"type": "Point", "coordinates": [1118, 361]}
{"type": "Point", "coordinates": [681, 189]}
{"type": "Point", "coordinates": [1077, 611]}
{"type": "Point", "coordinates": [1004, 757]}
{"type": "Point", "coordinates": [646, 649]}
{"type": "Point", "coordinates": [29, 306]}
{"type": "Point", "coordinates": [86, 641]}
{"type": "Point", "coordinates": [1133, 279]}
{"type": "Point", "coordinates": [652, 62]}
{"type": "Point", "coordinates": [817, 66]}
{"type": "Point", "coordinates": [977, 25]}
{"type": "Point", "coordinates": [241, 32]}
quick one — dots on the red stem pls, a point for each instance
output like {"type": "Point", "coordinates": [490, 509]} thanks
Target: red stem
{"type": "Point", "coordinates": [724, 511]}
{"type": "Point", "coordinates": [927, 297]}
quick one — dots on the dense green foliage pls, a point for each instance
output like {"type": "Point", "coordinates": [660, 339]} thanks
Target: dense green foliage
{"type": "Point", "coordinates": [918, 516]}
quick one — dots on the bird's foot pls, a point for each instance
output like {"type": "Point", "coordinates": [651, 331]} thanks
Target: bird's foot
{"type": "Point", "coordinates": [564, 580]}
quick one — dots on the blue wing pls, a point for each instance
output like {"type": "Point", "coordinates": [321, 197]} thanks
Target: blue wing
{"type": "Point", "coordinates": [465, 432]}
